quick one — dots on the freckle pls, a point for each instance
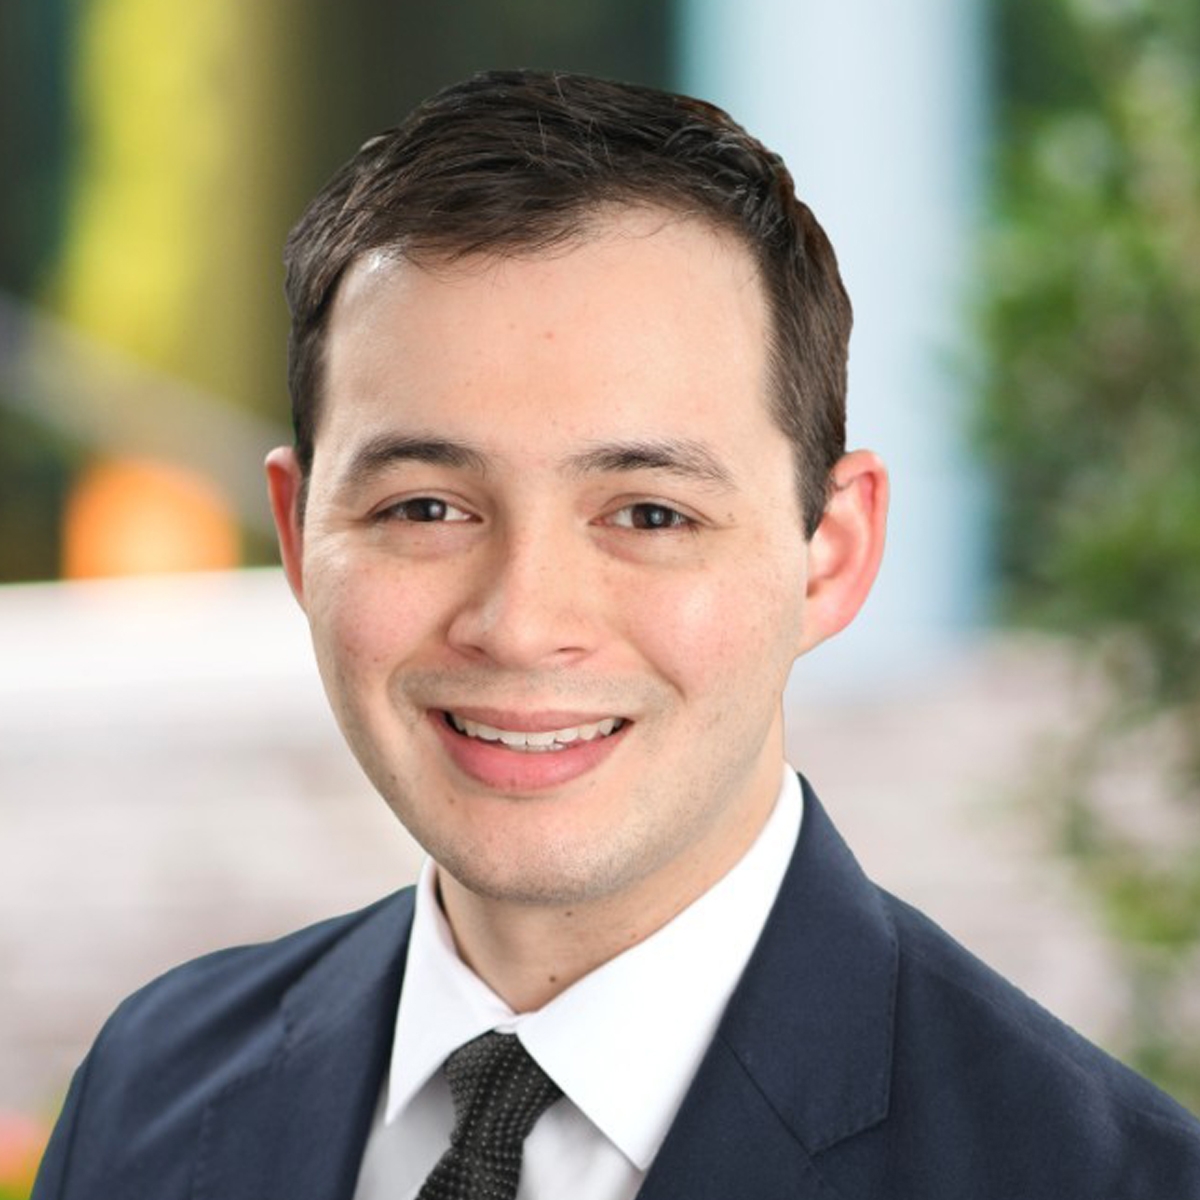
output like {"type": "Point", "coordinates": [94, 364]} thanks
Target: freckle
{"type": "Point", "coordinates": [553, 978]}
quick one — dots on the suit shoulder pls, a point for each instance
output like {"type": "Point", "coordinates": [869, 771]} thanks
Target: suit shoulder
{"type": "Point", "coordinates": [211, 1016]}
{"type": "Point", "coordinates": [135, 1111]}
{"type": "Point", "coordinates": [973, 1051]}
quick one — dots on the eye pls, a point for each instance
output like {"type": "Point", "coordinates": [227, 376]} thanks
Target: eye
{"type": "Point", "coordinates": [650, 516]}
{"type": "Point", "coordinates": [422, 510]}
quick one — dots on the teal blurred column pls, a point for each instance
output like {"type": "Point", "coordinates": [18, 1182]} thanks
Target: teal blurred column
{"type": "Point", "coordinates": [877, 108]}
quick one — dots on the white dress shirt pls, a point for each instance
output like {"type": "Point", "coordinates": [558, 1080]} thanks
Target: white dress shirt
{"type": "Point", "coordinates": [623, 1042]}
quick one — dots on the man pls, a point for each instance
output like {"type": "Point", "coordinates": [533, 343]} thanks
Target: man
{"type": "Point", "coordinates": [568, 497]}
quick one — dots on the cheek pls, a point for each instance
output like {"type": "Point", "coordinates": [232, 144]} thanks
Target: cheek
{"type": "Point", "coordinates": [723, 631]}
{"type": "Point", "coordinates": [364, 619]}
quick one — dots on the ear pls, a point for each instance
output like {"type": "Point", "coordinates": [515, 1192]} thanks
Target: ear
{"type": "Point", "coordinates": [845, 551]}
{"type": "Point", "coordinates": [284, 487]}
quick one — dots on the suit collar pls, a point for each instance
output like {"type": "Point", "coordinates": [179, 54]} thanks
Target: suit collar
{"type": "Point", "coordinates": [812, 1021]}
{"type": "Point", "coordinates": [802, 1059]}
{"type": "Point", "coordinates": [296, 1126]}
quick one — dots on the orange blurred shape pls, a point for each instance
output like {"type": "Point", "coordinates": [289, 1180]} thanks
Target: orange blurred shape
{"type": "Point", "coordinates": [131, 516]}
{"type": "Point", "coordinates": [22, 1141]}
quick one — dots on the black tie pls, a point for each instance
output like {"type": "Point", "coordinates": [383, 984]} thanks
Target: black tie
{"type": "Point", "coordinates": [499, 1092]}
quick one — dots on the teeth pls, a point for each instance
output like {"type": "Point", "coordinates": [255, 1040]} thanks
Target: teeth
{"type": "Point", "coordinates": [540, 742]}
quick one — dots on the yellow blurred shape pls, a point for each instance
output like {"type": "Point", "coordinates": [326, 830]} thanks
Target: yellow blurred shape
{"type": "Point", "coordinates": [134, 516]}
{"type": "Point", "coordinates": [173, 181]}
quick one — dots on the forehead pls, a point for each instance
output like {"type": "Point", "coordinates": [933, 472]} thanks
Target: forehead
{"type": "Point", "coordinates": [645, 315]}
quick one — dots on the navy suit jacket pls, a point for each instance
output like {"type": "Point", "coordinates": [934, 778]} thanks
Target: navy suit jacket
{"type": "Point", "coordinates": [864, 1056]}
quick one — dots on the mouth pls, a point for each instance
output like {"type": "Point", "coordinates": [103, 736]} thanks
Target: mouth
{"type": "Point", "coordinates": [540, 741]}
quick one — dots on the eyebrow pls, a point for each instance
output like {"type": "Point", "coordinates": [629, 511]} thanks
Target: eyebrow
{"type": "Point", "coordinates": [381, 452]}
{"type": "Point", "coordinates": [677, 456]}
{"type": "Point", "coordinates": [682, 457]}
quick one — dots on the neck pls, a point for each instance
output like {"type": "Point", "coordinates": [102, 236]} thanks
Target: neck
{"type": "Point", "coordinates": [530, 953]}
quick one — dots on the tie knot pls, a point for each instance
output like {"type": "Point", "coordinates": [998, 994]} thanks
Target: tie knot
{"type": "Point", "coordinates": [499, 1092]}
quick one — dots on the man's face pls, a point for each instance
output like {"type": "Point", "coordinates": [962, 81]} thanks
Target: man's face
{"type": "Point", "coordinates": [553, 559]}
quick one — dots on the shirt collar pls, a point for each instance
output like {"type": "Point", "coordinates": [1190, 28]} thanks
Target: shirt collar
{"type": "Point", "coordinates": [650, 1013]}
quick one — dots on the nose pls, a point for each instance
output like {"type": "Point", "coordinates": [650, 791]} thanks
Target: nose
{"type": "Point", "coordinates": [528, 604]}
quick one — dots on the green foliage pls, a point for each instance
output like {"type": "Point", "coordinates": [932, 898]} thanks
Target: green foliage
{"type": "Point", "coordinates": [1092, 418]}
{"type": "Point", "coordinates": [35, 470]}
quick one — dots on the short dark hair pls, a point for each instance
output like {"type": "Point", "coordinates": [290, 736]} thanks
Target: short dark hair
{"type": "Point", "coordinates": [513, 162]}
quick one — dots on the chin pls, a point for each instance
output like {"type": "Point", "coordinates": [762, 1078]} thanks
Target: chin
{"type": "Point", "coordinates": [546, 876]}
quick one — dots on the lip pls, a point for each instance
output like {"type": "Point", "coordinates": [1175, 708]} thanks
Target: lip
{"type": "Point", "coordinates": [512, 771]}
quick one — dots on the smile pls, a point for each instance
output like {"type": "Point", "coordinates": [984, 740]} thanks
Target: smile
{"type": "Point", "coordinates": [535, 742]}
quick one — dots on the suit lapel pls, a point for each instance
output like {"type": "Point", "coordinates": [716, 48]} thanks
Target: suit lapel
{"type": "Point", "coordinates": [802, 1059]}
{"type": "Point", "coordinates": [296, 1127]}
{"type": "Point", "coordinates": [727, 1143]}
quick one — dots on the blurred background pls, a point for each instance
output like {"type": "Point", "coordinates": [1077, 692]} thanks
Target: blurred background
{"type": "Point", "coordinates": [1009, 736]}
